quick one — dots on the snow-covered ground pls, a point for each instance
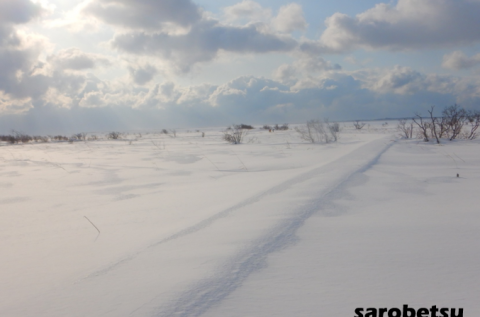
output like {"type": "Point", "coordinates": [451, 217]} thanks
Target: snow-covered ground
{"type": "Point", "coordinates": [193, 226]}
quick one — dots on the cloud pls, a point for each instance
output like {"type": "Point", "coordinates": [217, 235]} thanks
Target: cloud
{"type": "Point", "coordinates": [75, 59]}
{"type": "Point", "coordinates": [22, 78]}
{"type": "Point", "coordinates": [458, 60]}
{"type": "Point", "coordinates": [27, 77]}
{"type": "Point", "coordinates": [142, 74]}
{"type": "Point", "coordinates": [399, 80]}
{"type": "Point", "coordinates": [59, 91]}
{"type": "Point", "coordinates": [410, 24]}
{"type": "Point", "coordinates": [304, 67]}
{"type": "Point", "coordinates": [148, 29]}
{"type": "Point", "coordinates": [338, 95]}
{"type": "Point", "coordinates": [247, 10]}
{"type": "Point", "coordinates": [144, 14]}
{"type": "Point", "coordinates": [9, 105]}
{"type": "Point", "coordinates": [19, 75]}
{"type": "Point", "coordinates": [19, 11]}
{"type": "Point", "coordinates": [202, 43]}
{"type": "Point", "coordinates": [290, 18]}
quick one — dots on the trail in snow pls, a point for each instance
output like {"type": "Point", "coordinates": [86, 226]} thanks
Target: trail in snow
{"type": "Point", "coordinates": [283, 187]}
{"type": "Point", "coordinates": [199, 298]}
{"type": "Point", "coordinates": [188, 272]}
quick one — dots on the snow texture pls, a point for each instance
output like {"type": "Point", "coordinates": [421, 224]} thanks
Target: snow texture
{"type": "Point", "coordinates": [156, 225]}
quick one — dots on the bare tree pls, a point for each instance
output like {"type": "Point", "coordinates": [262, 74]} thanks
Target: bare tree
{"type": "Point", "coordinates": [424, 126]}
{"type": "Point", "coordinates": [443, 127]}
{"type": "Point", "coordinates": [433, 124]}
{"type": "Point", "coordinates": [474, 120]}
{"type": "Point", "coordinates": [456, 118]}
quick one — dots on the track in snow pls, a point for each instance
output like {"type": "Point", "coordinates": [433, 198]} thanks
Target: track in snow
{"type": "Point", "coordinates": [282, 187]}
{"type": "Point", "coordinates": [200, 297]}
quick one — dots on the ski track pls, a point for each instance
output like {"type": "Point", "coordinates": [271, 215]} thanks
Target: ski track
{"type": "Point", "coordinates": [211, 291]}
{"type": "Point", "coordinates": [249, 201]}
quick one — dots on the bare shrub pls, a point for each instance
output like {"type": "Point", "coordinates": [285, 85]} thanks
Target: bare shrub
{"type": "Point", "coordinates": [234, 134]}
{"type": "Point", "coordinates": [283, 127]}
{"type": "Point", "coordinates": [79, 137]}
{"type": "Point", "coordinates": [114, 135]}
{"type": "Point", "coordinates": [334, 129]}
{"type": "Point", "coordinates": [310, 132]}
{"type": "Point", "coordinates": [60, 138]}
{"type": "Point", "coordinates": [244, 127]}
{"type": "Point", "coordinates": [8, 138]}
{"type": "Point", "coordinates": [316, 131]}
{"type": "Point", "coordinates": [358, 125]}
{"type": "Point", "coordinates": [24, 138]}
{"type": "Point", "coordinates": [40, 139]}
{"type": "Point", "coordinates": [407, 131]}
{"type": "Point", "coordinates": [21, 137]}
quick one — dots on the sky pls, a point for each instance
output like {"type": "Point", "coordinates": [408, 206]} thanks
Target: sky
{"type": "Point", "coordinates": [98, 65]}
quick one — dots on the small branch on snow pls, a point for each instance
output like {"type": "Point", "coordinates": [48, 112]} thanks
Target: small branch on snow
{"type": "Point", "coordinates": [92, 224]}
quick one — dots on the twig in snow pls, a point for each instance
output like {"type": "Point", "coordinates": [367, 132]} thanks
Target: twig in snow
{"type": "Point", "coordinates": [92, 224]}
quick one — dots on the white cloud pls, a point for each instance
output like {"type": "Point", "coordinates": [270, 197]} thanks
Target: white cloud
{"type": "Point", "coordinates": [399, 80]}
{"type": "Point", "coordinates": [9, 105]}
{"type": "Point", "coordinates": [305, 66]}
{"type": "Point", "coordinates": [410, 24]}
{"type": "Point", "coordinates": [205, 38]}
{"type": "Point", "coordinates": [75, 59]}
{"type": "Point", "coordinates": [458, 60]}
{"type": "Point", "coordinates": [75, 20]}
{"type": "Point", "coordinates": [337, 95]}
{"type": "Point", "coordinates": [202, 43]}
{"type": "Point", "coordinates": [290, 18]}
{"type": "Point", "coordinates": [247, 11]}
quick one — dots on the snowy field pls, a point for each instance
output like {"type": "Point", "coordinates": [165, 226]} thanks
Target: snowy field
{"type": "Point", "coordinates": [194, 226]}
